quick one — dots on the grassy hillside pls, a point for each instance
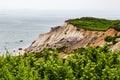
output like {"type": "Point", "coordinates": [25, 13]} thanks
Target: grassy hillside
{"type": "Point", "coordinates": [92, 23]}
{"type": "Point", "coordinates": [84, 64]}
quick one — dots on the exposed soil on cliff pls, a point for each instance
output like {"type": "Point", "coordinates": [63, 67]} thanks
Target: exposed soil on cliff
{"type": "Point", "coordinates": [70, 37]}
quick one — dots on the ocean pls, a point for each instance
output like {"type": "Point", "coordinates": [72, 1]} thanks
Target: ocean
{"type": "Point", "coordinates": [19, 32]}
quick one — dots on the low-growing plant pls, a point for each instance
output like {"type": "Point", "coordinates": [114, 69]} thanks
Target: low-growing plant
{"type": "Point", "coordinates": [92, 23]}
{"type": "Point", "coordinates": [108, 38]}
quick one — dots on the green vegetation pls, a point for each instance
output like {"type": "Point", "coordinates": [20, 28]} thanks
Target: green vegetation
{"type": "Point", "coordinates": [91, 23]}
{"type": "Point", "coordinates": [111, 39]}
{"type": "Point", "coordinates": [108, 38]}
{"type": "Point", "coordinates": [83, 64]}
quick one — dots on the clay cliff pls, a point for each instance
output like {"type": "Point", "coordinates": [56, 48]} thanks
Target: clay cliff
{"type": "Point", "coordinates": [71, 37]}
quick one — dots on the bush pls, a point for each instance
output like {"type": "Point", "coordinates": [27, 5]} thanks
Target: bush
{"type": "Point", "coordinates": [84, 64]}
{"type": "Point", "coordinates": [108, 38]}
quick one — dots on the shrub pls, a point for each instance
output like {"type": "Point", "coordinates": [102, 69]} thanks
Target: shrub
{"type": "Point", "coordinates": [108, 38]}
{"type": "Point", "coordinates": [84, 64]}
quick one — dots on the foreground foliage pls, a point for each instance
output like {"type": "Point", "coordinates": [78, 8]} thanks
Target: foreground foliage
{"type": "Point", "coordinates": [92, 23]}
{"type": "Point", "coordinates": [83, 64]}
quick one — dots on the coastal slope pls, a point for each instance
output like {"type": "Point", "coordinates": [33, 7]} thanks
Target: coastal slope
{"type": "Point", "coordinates": [71, 37]}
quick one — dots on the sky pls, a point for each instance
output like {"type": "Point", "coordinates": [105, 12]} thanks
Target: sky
{"type": "Point", "coordinates": [109, 5]}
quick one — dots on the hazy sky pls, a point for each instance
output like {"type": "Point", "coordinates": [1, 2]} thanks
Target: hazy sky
{"type": "Point", "coordinates": [110, 5]}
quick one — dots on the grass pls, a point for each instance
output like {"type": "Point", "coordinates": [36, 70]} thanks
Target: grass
{"type": "Point", "coordinates": [92, 23]}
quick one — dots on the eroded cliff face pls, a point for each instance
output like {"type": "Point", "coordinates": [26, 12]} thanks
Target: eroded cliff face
{"type": "Point", "coordinates": [66, 35]}
{"type": "Point", "coordinates": [71, 37]}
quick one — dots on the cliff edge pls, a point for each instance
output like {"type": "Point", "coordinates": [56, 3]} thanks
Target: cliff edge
{"type": "Point", "coordinates": [71, 37]}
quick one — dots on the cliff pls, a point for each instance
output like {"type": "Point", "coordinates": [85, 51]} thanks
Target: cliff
{"type": "Point", "coordinates": [71, 37]}
{"type": "Point", "coordinates": [66, 35]}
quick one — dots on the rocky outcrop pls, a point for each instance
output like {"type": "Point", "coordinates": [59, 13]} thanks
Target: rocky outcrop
{"type": "Point", "coordinates": [66, 35]}
{"type": "Point", "coordinates": [70, 37]}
